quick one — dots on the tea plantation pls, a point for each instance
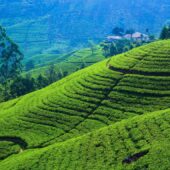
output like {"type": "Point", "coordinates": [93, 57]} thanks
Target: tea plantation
{"type": "Point", "coordinates": [68, 62]}
{"type": "Point", "coordinates": [112, 115]}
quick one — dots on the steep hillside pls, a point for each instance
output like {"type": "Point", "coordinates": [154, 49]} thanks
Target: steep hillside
{"type": "Point", "coordinates": [58, 127]}
{"type": "Point", "coordinates": [38, 25]}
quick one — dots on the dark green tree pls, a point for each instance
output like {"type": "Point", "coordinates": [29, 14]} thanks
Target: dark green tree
{"type": "Point", "coordinates": [82, 65]}
{"type": "Point", "coordinates": [51, 74]}
{"type": "Point", "coordinates": [165, 33]}
{"type": "Point", "coordinates": [21, 86]}
{"type": "Point", "coordinates": [65, 73]}
{"type": "Point", "coordinates": [10, 58]}
{"type": "Point", "coordinates": [59, 75]}
{"type": "Point", "coordinates": [105, 48]}
{"type": "Point", "coordinates": [113, 49]}
{"type": "Point", "coordinates": [29, 65]}
{"type": "Point", "coordinates": [92, 46]}
{"type": "Point", "coordinates": [10, 63]}
{"type": "Point", "coordinates": [118, 31]}
{"type": "Point", "coordinates": [130, 31]}
{"type": "Point", "coordinates": [41, 81]}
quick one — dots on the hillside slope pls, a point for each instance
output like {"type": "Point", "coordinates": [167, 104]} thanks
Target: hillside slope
{"type": "Point", "coordinates": [69, 62]}
{"type": "Point", "coordinates": [138, 143]}
{"type": "Point", "coordinates": [40, 24]}
{"type": "Point", "coordinates": [121, 91]}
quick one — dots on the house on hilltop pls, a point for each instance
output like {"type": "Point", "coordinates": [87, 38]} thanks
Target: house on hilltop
{"type": "Point", "coordinates": [113, 38]}
{"type": "Point", "coordinates": [140, 37]}
{"type": "Point", "coordinates": [137, 36]}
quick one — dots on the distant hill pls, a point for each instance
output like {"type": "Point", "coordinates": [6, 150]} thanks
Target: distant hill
{"type": "Point", "coordinates": [69, 62]}
{"type": "Point", "coordinates": [63, 25]}
{"type": "Point", "coordinates": [112, 115]}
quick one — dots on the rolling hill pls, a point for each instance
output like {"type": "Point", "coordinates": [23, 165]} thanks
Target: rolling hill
{"type": "Point", "coordinates": [60, 25]}
{"type": "Point", "coordinates": [112, 115]}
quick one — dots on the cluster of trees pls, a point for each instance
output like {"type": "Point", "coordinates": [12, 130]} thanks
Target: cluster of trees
{"type": "Point", "coordinates": [12, 83]}
{"type": "Point", "coordinates": [121, 31]}
{"type": "Point", "coordinates": [21, 85]}
{"type": "Point", "coordinates": [122, 45]}
{"type": "Point", "coordinates": [118, 47]}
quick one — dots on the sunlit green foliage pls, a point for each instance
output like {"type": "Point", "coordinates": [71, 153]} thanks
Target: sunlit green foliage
{"type": "Point", "coordinates": [96, 118]}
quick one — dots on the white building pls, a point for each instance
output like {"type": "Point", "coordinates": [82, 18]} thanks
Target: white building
{"type": "Point", "coordinates": [137, 36]}
{"type": "Point", "coordinates": [114, 38]}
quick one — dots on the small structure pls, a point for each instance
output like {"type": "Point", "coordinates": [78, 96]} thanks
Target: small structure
{"type": "Point", "coordinates": [114, 38]}
{"type": "Point", "coordinates": [128, 36]}
{"type": "Point", "coordinates": [137, 36]}
{"type": "Point", "coordinates": [140, 37]}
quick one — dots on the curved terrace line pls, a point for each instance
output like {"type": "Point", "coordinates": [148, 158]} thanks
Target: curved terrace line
{"type": "Point", "coordinates": [144, 73]}
{"type": "Point", "coordinates": [17, 140]}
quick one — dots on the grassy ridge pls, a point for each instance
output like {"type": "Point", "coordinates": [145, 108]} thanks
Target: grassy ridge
{"type": "Point", "coordinates": [100, 95]}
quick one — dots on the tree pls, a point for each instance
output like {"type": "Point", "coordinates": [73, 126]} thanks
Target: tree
{"type": "Point", "coordinates": [113, 49]}
{"type": "Point", "coordinates": [41, 82]}
{"type": "Point", "coordinates": [21, 86]}
{"type": "Point", "coordinates": [82, 65]}
{"type": "Point", "coordinates": [118, 31]}
{"type": "Point", "coordinates": [65, 73]}
{"type": "Point", "coordinates": [151, 37]}
{"type": "Point", "coordinates": [165, 33]}
{"type": "Point", "coordinates": [130, 31]}
{"type": "Point", "coordinates": [10, 62]}
{"type": "Point", "coordinates": [105, 48]}
{"type": "Point", "coordinates": [60, 74]}
{"type": "Point", "coordinates": [2, 94]}
{"type": "Point", "coordinates": [29, 65]}
{"type": "Point", "coordinates": [92, 46]}
{"type": "Point", "coordinates": [147, 31]}
{"type": "Point", "coordinates": [10, 58]}
{"type": "Point", "coordinates": [51, 74]}
{"type": "Point", "coordinates": [126, 48]}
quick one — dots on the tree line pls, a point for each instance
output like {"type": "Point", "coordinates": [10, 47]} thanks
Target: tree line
{"type": "Point", "coordinates": [21, 85]}
{"type": "Point", "coordinates": [117, 47]}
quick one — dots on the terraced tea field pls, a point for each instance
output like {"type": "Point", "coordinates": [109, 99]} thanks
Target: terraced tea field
{"type": "Point", "coordinates": [112, 115]}
{"type": "Point", "coordinates": [69, 62]}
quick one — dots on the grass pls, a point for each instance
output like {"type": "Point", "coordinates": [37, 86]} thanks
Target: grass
{"type": "Point", "coordinates": [106, 148]}
{"type": "Point", "coordinates": [112, 115]}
